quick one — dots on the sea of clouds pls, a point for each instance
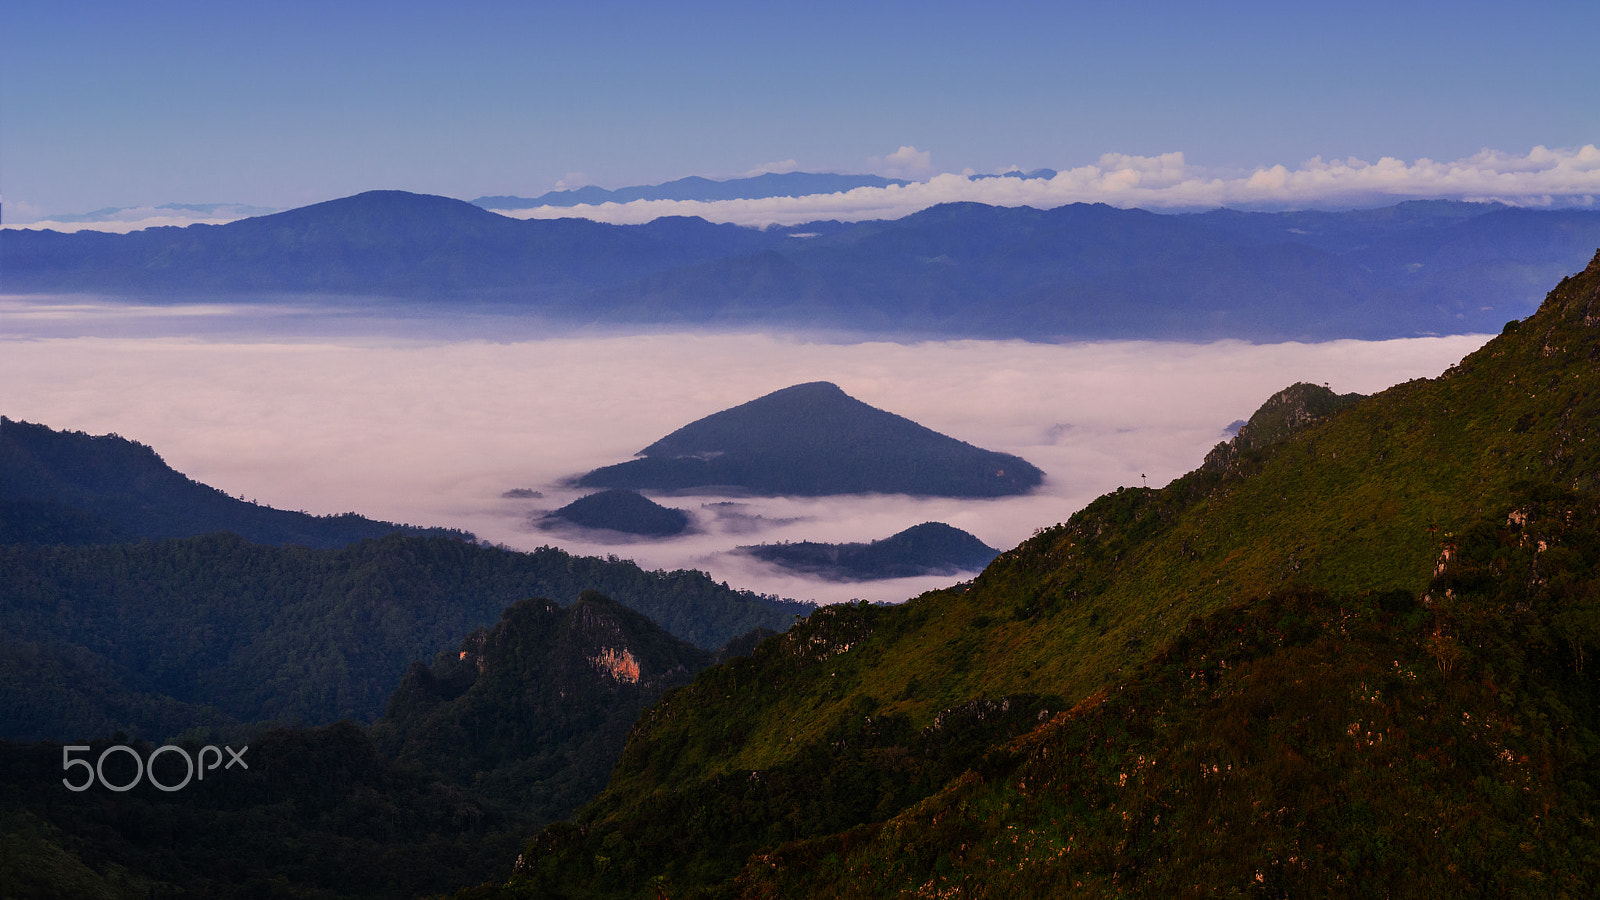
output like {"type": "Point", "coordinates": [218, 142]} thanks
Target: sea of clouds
{"type": "Point", "coordinates": [326, 412]}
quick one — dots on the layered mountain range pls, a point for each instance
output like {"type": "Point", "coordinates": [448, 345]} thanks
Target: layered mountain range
{"type": "Point", "coordinates": [1077, 271]}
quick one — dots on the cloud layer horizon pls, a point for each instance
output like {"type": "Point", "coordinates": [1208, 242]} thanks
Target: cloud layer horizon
{"type": "Point", "coordinates": [1542, 177]}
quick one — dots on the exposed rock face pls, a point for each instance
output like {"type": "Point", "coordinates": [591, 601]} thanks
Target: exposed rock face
{"type": "Point", "coordinates": [538, 705]}
{"type": "Point", "coordinates": [1284, 413]}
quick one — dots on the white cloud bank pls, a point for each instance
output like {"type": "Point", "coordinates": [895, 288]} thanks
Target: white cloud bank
{"type": "Point", "coordinates": [1541, 177]}
{"type": "Point", "coordinates": [1567, 177]}
{"type": "Point", "coordinates": [907, 162]}
{"type": "Point", "coordinates": [120, 226]}
{"type": "Point", "coordinates": [121, 220]}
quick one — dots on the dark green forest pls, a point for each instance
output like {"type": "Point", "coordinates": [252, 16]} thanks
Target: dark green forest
{"type": "Point", "coordinates": [157, 637]}
{"type": "Point", "coordinates": [366, 770]}
{"type": "Point", "coordinates": [516, 729]}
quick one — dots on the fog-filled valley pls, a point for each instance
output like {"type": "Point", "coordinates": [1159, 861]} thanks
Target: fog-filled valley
{"type": "Point", "coordinates": [431, 418]}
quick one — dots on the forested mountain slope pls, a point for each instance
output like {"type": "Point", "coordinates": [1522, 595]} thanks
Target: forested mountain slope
{"type": "Point", "coordinates": [517, 727]}
{"type": "Point", "coordinates": [156, 638]}
{"type": "Point", "coordinates": [1357, 661]}
{"type": "Point", "coordinates": [534, 710]}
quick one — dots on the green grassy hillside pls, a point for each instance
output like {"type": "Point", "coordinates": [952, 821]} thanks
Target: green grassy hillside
{"type": "Point", "coordinates": [827, 759]}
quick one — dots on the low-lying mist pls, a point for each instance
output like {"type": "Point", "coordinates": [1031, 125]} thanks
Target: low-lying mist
{"type": "Point", "coordinates": [431, 420]}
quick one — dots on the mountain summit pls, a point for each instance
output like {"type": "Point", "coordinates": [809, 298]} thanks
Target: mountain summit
{"type": "Point", "coordinates": [812, 440]}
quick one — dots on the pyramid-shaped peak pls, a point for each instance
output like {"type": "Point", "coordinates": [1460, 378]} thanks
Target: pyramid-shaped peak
{"type": "Point", "coordinates": [813, 439]}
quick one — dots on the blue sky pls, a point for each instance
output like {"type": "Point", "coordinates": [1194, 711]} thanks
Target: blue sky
{"type": "Point", "coordinates": [287, 103]}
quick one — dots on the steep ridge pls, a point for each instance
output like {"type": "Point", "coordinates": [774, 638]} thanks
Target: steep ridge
{"type": "Point", "coordinates": [1416, 570]}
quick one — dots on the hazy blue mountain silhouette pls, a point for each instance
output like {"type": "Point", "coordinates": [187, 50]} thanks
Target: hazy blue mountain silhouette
{"type": "Point", "coordinates": [960, 269]}
{"type": "Point", "coordinates": [814, 439]}
{"type": "Point", "coordinates": [382, 243]}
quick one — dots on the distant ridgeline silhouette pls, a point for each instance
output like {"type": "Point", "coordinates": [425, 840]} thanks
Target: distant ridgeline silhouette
{"type": "Point", "coordinates": [68, 487]}
{"type": "Point", "coordinates": [813, 440]}
{"type": "Point", "coordinates": [956, 269]}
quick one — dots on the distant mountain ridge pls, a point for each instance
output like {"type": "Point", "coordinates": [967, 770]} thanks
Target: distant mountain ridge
{"type": "Point", "coordinates": [959, 269]}
{"type": "Point", "coordinates": [813, 440]}
{"type": "Point", "coordinates": [756, 187]}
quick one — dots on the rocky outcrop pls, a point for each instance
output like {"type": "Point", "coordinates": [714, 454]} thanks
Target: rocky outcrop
{"type": "Point", "coordinates": [1284, 413]}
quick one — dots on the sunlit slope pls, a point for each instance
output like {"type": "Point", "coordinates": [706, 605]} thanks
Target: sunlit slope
{"type": "Point", "coordinates": [847, 718]}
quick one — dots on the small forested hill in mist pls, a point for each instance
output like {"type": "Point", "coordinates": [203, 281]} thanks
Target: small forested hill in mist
{"type": "Point", "coordinates": [958, 269]}
{"type": "Point", "coordinates": [814, 439]}
{"type": "Point", "coordinates": [932, 548]}
{"type": "Point", "coordinates": [156, 638]}
{"type": "Point", "coordinates": [756, 187]}
{"type": "Point", "coordinates": [67, 487]}
{"type": "Point", "coordinates": [1353, 658]}
{"type": "Point", "coordinates": [617, 510]}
